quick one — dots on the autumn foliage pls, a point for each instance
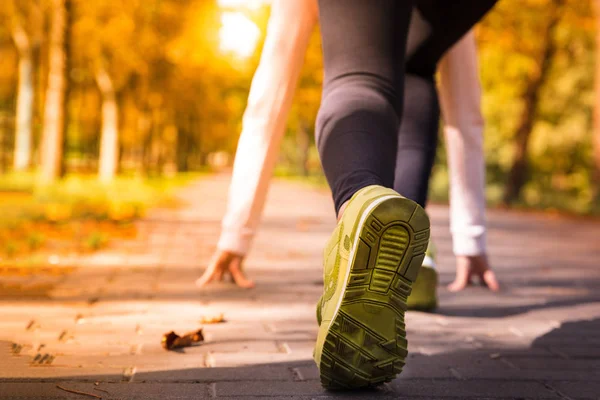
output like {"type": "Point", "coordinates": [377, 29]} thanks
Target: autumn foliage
{"type": "Point", "coordinates": [156, 87]}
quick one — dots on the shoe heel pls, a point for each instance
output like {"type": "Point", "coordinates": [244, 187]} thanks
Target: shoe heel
{"type": "Point", "coordinates": [366, 342]}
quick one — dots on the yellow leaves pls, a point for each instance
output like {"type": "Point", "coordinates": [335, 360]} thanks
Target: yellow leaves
{"type": "Point", "coordinates": [57, 212]}
{"type": "Point", "coordinates": [74, 215]}
{"type": "Point", "coordinates": [235, 104]}
{"type": "Point", "coordinates": [213, 319]}
{"type": "Point", "coordinates": [8, 70]}
{"type": "Point", "coordinates": [122, 212]}
{"type": "Point", "coordinates": [170, 134]}
{"type": "Point", "coordinates": [120, 26]}
{"type": "Point", "coordinates": [197, 44]}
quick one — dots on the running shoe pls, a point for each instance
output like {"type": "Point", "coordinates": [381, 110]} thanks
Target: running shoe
{"type": "Point", "coordinates": [424, 291]}
{"type": "Point", "coordinates": [372, 259]}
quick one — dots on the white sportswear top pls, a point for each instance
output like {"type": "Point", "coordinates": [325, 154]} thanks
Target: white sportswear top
{"type": "Point", "coordinates": [290, 26]}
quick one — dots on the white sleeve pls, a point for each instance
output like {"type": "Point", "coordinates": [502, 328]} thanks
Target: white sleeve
{"type": "Point", "coordinates": [460, 100]}
{"type": "Point", "coordinates": [290, 26]}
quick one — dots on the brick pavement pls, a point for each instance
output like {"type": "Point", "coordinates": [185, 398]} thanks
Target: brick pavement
{"type": "Point", "coordinates": [93, 323]}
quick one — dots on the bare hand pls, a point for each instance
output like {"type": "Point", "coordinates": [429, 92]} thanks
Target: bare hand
{"type": "Point", "coordinates": [469, 266]}
{"type": "Point", "coordinates": [222, 263]}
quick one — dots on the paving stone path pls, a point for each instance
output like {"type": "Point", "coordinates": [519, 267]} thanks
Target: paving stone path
{"type": "Point", "coordinates": [93, 323]}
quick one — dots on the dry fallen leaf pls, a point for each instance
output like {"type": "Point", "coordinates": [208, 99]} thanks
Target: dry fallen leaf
{"type": "Point", "coordinates": [171, 340]}
{"type": "Point", "coordinates": [212, 319]}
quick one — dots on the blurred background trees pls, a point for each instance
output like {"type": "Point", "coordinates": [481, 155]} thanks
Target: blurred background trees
{"type": "Point", "coordinates": [25, 27]}
{"type": "Point", "coordinates": [596, 134]}
{"type": "Point", "coordinates": [538, 73]}
{"type": "Point", "coordinates": [156, 87]}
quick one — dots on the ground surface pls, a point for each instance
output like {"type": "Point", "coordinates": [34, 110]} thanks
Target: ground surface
{"type": "Point", "coordinates": [94, 324]}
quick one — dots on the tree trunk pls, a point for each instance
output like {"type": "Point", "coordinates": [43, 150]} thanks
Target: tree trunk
{"type": "Point", "coordinates": [25, 100]}
{"type": "Point", "coordinates": [109, 138]}
{"type": "Point", "coordinates": [54, 108]}
{"type": "Point", "coordinates": [518, 173]}
{"type": "Point", "coordinates": [145, 131]}
{"type": "Point", "coordinates": [596, 133]}
{"type": "Point", "coordinates": [156, 145]}
{"type": "Point", "coordinates": [67, 51]}
{"type": "Point", "coordinates": [183, 148]}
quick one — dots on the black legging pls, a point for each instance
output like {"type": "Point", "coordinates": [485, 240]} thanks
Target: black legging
{"type": "Point", "coordinates": [417, 138]}
{"type": "Point", "coordinates": [361, 109]}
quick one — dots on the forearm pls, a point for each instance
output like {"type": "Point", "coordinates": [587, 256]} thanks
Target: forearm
{"type": "Point", "coordinates": [290, 26]}
{"type": "Point", "coordinates": [460, 99]}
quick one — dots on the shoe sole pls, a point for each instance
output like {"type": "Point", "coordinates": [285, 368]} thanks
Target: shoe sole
{"type": "Point", "coordinates": [365, 344]}
{"type": "Point", "coordinates": [423, 296]}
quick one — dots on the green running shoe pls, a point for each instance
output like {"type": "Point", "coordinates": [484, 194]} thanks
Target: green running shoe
{"type": "Point", "coordinates": [370, 263]}
{"type": "Point", "coordinates": [424, 291]}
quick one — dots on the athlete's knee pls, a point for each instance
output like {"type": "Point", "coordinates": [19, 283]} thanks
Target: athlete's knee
{"type": "Point", "coordinates": [357, 105]}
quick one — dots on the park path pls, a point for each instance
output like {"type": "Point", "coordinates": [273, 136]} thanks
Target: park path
{"type": "Point", "coordinates": [94, 323]}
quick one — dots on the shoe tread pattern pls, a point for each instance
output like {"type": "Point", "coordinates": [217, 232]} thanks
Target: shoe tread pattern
{"type": "Point", "coordinates": [366, 343]}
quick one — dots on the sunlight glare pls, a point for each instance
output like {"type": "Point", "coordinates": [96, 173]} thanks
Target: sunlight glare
{"type": "Point", "coordinates": [251, 4]}
{"type": "Point", "coordinates": [238, 34]}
